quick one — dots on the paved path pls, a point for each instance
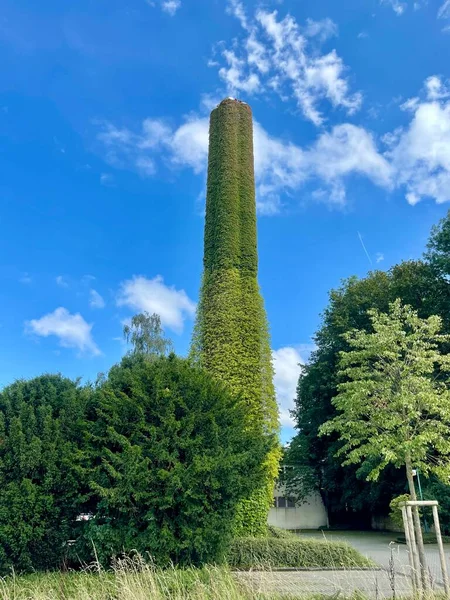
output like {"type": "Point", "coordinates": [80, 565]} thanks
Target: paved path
{"type": "Point", "coordinates": [377, 546]}
{"type": "Point", "coordinates": [373, 584]}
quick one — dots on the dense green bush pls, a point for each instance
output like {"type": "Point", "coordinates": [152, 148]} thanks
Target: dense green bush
{"type": "Point", "coordinates": [41, 470]}
{"type": "Point", "coordinates": [269, 552]}
{"type": "Point", "coordinates": [172, 458]}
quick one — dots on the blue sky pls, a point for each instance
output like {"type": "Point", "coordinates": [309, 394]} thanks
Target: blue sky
{"type": "Point", "coordinates": [103, 126]}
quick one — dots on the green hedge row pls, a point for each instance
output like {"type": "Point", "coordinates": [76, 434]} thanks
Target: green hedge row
{"type": "Point", "coordinates": [264, 553]}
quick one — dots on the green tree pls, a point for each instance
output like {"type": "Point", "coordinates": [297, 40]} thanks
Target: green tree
{"type": "Point", "coordinates": [393, 398]}
{"type": "Point", "coordinates": [231, 337]}
{"type": "Point", "coordinates": [146, 335]}
{"type": "Point", "coordinates": [172, 458]}
{"type": "Point", "coordinates": [345, 491]}
{"type": "Point", "coordinates": [42, 467]}
{"type": "Point", "coordinates": [439, 247]}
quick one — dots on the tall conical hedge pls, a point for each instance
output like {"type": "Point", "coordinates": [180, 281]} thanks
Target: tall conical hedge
{"type": "Point", "coordinates": [231, 338]}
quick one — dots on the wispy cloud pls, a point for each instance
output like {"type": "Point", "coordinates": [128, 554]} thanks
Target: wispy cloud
{"type": "Point", "coordinates": [96, 300]}
{"type": "Point", "coordinates": [277, 55]}
{"type": "Point", "coordinates": [71, 330]}
{"type": "Point", "coordinates": [168, 6]}
{"type": "Point", "coordinates": [106, 179]}
{"type": "Point", "coordinates": [416, 156]}
{"type": "Point", "coordinates": [154, 296]}
{"type": "Point", "coordinates": [171, 6]}
{"type": "Point", "coordinates": [397, 6]}
{"type": "Point", "coordinates": [61, 281]}
{"type": "Point", "coordinates": [401, 6]}
{"type": "Point", "coordinates": [280, 166]}
{"type": "Point", "coordinates": [444, 10]}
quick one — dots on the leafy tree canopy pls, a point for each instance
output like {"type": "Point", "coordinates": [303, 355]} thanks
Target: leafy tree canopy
{"type": "Point", "coordinates": [315, 466]}
{"type": "Point", "coordinates": [146, 335]}
{"type": "Point", "coordinates": [439, 246]}
{"type": "Point", "coordinates": [393, 400]}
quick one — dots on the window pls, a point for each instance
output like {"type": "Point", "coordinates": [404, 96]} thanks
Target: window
{"type": "Point", "coordinates": [282, 502]}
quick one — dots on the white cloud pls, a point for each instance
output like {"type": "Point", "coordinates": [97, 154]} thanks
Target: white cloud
{"type": "Point", "coordinates": [410, 105]}
{"type": "Point", "coordinates": [168, 6]}
{"type": "Point", "coordinates": [379, 257]}
{"type": "Point", "coordinates": [400, 7]}
{"type": "Point", "coordinates": [171, 6]}
{"type": "Point", "coordinates": [323, 29]}
{"type": "Point", "coordinates": [233, 74]}
{"type": "Point", "coordinates": [61, 281]}
{"type": "Point", "coordinates": [421, 156]}
{"type": "Point", "coordinates": [286, 363]}
{"type": "Point", "coordinates": [397, 6]}
{"type": "Point", "coordinates": [186, 145]}
{"type": "Point", "coordinates": [26, 279]}
{"type": "Point", "coordinates": [276, 55]}
{"type": "Point", "coordinates": [436, 89]}
{"type": "Point", "coordinates": [280, 165]}
{"type": "Point", "coordinates": [417, 158]}
{"type": "Point", "coordinates": [152, 295]}
{"type": "Point", "coordinates": [189, 144]}
{"type": "Point", "coordinates": [95, 300]}
{"type": "Point", "coordinates": [236, 8]}
{"type": "Point", "coordinates": [349, 149]}
{"type": "Point", "coordinates": [71, 330]}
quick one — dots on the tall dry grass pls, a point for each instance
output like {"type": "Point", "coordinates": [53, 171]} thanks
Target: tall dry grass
{"type": "Point", "coordinates": [129, 579]}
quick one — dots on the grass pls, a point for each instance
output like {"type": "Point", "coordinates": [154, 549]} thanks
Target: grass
{"type": "Point", "coordinates": [135, 579]}
{"type": "Point", "coordinates": [293, 552]}
{"type": "Point", "coordinates": [129, 580]}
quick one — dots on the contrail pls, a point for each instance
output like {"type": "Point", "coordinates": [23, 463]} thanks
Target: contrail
{"type": "Point", "coordinates": [365, 249]}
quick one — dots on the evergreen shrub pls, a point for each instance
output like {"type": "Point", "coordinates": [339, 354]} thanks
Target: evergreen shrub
{"type": "Point", "coordinates": [42, 470]}
{"type": "Point", "coordinates": [172, 458]}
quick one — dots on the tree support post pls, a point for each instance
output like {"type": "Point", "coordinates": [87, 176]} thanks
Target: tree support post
{"type": "Point", "coordinates": [407, 508]}
{"type": "Point", "coordinates": [411, 551]}
{"type": "Point", "coordinates": [437, 528]}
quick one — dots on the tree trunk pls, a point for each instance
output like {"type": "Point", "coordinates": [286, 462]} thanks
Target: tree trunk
{"type": "Point", "coordinates": [417, 526]}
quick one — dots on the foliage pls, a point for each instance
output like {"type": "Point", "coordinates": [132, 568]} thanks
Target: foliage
{"type": "Point", "coordinates": [267, 552]}
{"type": "Point", "coordinates": [146, 335]}
{"type": "Point", "coordinates": [345, 491]}
{"type": "Point", "coordinates": [393, 401]}
{"type": "Point", "coordinates": [231, 337]}
{"type": "Point", "coordinates": [41, 470]}
{"type": "Point", "coordinates": [439, 246]}
{"type": "Point", "coordinates": [172, 457]}
{"type": "Point", "coordinates": [396, 512]}
{"type": "Point", "coordinates": [437, 490]}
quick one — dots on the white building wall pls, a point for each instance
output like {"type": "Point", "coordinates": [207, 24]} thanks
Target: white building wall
{"type": "Point", "coordinates": [308, 515]}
